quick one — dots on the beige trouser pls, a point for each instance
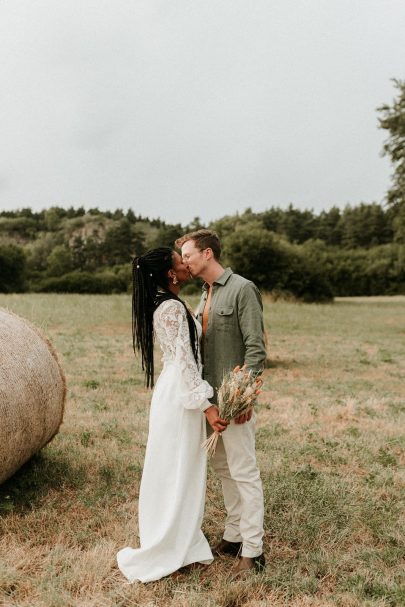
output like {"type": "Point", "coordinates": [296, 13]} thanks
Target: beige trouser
{"type": "Point", "coordinates": [235, 463]}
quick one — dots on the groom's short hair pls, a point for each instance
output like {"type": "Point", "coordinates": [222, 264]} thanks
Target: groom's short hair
{"type": "Point", "coordinates": [203, 239]}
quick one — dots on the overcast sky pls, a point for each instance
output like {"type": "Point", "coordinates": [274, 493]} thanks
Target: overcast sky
{"type": "Point", "coordinates": [184, 108]}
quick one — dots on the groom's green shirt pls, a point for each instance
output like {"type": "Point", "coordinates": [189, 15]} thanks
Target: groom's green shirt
{"type": "Point", "coordinates": [235, 333]}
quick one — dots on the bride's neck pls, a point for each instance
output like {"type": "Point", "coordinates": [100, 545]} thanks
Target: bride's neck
{"type": "Point", "coordinates": [175, 289]}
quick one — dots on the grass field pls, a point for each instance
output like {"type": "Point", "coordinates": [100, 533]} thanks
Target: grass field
{"type": "Point", "coordinates": [329, 447]}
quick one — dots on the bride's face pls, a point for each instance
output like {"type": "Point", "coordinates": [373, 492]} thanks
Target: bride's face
{"type": "Point", "coordinates": [181, 270]}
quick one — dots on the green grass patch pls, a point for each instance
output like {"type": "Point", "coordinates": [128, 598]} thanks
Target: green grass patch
{"type": "Point", "coordinates": [330, 446]}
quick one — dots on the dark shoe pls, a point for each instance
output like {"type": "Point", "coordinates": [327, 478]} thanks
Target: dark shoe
{"type": "Point", "coordinates": [260, 563]}
{"type": "Point", "coordinates": [246, 565]}
{"type": "Point", "coordinates": [225, 547]}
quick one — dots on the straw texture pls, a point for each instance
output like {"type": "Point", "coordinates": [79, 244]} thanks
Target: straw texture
{"type": "Point", "coordinates": [32, 392]}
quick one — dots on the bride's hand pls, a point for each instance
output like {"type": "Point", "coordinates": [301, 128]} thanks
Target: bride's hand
{"type": "Point", "coordinates": [216, 423]}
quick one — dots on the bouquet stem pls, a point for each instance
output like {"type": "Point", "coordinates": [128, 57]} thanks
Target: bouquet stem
{"type": "Point", "coordinates": [210, 444]}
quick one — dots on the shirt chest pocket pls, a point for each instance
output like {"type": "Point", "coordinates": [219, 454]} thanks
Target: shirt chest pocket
{"type": "Point", "coordinates": [224, 318]}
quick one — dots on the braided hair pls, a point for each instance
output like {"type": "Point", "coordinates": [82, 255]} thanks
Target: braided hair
{"type": "Point", "coordinates": [151, 288]}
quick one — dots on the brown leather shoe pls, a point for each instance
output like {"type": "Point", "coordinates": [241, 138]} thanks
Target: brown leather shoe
{"type": "Point", "coordinates": [246, 565]}
{"type": "Point", "coordinates": [225, 547]}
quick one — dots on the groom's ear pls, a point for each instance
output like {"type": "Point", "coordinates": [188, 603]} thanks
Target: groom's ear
{"type": "Point", "coordinates": [208, 253]}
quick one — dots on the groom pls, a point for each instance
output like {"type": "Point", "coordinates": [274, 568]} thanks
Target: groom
{"type": "Point", "coordinates": [231, 315]}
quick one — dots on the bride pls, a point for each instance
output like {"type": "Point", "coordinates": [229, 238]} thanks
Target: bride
{"type": "Point", "coordinates": [172, 491]}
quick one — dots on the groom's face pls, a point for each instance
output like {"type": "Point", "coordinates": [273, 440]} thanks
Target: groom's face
{"type": "Point", "coordinates": [193, 258]}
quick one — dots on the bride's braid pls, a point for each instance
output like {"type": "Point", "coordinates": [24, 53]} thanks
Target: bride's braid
{"type": "Point", "coordinates": [150, 288]}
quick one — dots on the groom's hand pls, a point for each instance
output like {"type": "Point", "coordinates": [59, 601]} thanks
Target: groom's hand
{"type": "Point", "coordinates": [216, 423]}
{"type": "Point", "coordinates": [242, 419]}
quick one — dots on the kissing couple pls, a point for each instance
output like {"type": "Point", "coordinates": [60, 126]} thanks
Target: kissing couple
{"type": "Point", "coordinates": [198, 352]}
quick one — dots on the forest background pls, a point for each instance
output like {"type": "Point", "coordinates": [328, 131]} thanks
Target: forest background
{"type": "Point", "coordinates": [359, 250]}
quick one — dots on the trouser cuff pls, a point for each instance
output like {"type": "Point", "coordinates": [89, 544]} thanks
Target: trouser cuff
{"type": "Point", "coordinates": [229, 537]}
{"type": "Point", "coordinates": [251, 552]}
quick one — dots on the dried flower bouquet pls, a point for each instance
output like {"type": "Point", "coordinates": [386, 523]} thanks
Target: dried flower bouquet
{"type": "Point", "coordinates": [236, 396]}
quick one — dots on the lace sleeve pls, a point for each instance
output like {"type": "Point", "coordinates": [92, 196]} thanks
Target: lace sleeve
{"type": "Point", "coordinates": [173, 327]}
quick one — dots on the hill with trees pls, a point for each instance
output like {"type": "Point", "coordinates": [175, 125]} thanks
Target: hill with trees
{"type": "Point", "coordinates": [311, 256]}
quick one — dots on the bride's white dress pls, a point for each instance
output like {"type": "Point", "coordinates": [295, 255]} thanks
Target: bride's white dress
{"type": "Point", "coordinates": [172, 492]}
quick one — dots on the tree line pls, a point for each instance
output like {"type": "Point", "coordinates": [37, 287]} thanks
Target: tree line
{"type": "Point", "coordinates": [357, 250]}
{"type": "Point", "coordinates": [312, 256]}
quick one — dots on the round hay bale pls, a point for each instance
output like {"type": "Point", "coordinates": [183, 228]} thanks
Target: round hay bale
{"type": "Point", "coordinates": [32, 392]}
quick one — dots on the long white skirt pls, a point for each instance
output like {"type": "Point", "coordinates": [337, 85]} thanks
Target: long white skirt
{"type": "Point", "coordinates": [172, 491]}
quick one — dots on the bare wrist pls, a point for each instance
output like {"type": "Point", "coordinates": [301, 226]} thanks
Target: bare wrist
{"type": "Point", "coordinates": [209, 408]}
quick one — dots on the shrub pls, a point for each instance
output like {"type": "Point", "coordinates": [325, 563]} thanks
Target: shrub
{"type": "Point", "coordinates": [12, 268]}
{"type": "Point", "coordinates": [124, 273]}
{"type": "Point", "coordinates": [60, 261]}
{"type": "Point", "coordinates": [82, 282]}
{"type": "Point", "coordinates": [376, 271]}
{"type": "Point", "coordinates": [274, 264]}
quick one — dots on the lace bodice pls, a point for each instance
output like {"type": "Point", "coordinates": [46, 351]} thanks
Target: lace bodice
{"type": "Point", "coordinates": [172, 332]}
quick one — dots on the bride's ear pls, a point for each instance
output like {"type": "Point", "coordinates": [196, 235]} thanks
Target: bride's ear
{"type": "Point", "coordinates": [172, 276]}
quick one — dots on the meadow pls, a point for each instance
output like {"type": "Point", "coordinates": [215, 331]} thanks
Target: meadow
{"type": "Point", "coordinates": [329, 443]}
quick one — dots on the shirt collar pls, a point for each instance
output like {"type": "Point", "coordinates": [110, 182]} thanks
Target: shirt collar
{"type": "Point", "coordinates": [223, 279]}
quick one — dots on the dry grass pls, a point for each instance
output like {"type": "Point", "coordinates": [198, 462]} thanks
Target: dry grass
{"type": "Point", "coordinates": [329, 446]}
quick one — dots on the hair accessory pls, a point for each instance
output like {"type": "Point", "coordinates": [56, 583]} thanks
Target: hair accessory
{"type": "Point", "coordinates": [151, 274]}
{"type": "Point", "coordinates": [137, 266]}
